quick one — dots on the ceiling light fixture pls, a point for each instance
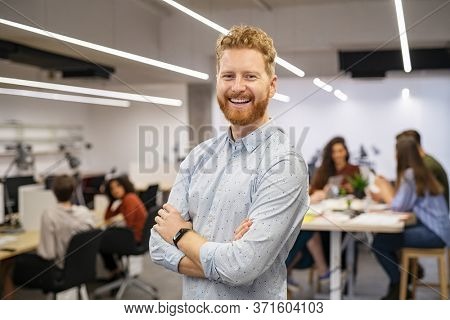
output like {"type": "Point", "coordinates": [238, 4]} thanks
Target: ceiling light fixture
{"type": "Point", "coordinates": [118, 53]}
{"type": "Point", "coordinates": [93, 92]}
{"type": "Point", "coordinates": [65, 97]}
{"type": "Point", "coordinates": [403, 36]}
{"type": "Point", "coordinates": [340, 95]}
{"type": "Point", "coordinates": [322, 85]}
{"type": "Point", "coordinates": [405, 93]}
{"type": "Point", "coordinates": [281, 97]}
{"type": "Point", "coordinates": [222, 30]}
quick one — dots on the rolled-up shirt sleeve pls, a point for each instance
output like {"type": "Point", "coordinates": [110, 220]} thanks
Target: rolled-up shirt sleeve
{"type": "Point", "coordinates": [162, 252]}
{"type": "Point", "coordinates": [280, 202]}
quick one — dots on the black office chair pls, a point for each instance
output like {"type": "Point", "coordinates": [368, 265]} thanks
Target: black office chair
{"type": "Point", "coordinates": [120, 241]}
{"type": "Point", "coordinates": [148, 197]}
{"type": "Point", "coordinates": [79, 266]}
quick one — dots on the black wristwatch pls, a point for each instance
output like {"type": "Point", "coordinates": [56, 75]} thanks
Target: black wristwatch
{"type": "Point", "coordinates": [179, 235]}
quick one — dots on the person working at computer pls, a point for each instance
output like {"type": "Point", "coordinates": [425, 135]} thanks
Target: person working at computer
{"type": "Point", "coordinates": [123, 202]}
{"type": "Point", "coordinates": [58, 225]}
{"type": "Point", "coordinates": [416, 190]}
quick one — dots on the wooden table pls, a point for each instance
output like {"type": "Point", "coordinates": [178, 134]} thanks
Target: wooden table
{"type": "Point", "coordinates": [337, 222]}
{"type": "Point", "coordinates": [20, 243]}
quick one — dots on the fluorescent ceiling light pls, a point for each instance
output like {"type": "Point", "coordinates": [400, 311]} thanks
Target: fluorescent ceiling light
{"type": "Point", "coordinates": [93, 92]}
{"type": "Point", "coordinates": [340, 95]}
{"type": "Point", "coordinates": [281, 97]}
{"type": "Point", "coordinates": [196, 16]}
{"type": "Point", "coordinates": [403, 36]}
{"type": "Point", "coordinates": [223, 30]}
{"type": "Point", "coordinates": [405, 93]}
{"type": "Point", "coordinates": [290, 67]}
{"type": "Point", "coordinates": [119, 53]}
{"type": "Point", "coordinates": [322, 85]}
{"type": "Point", "coordinates": [65, 97]}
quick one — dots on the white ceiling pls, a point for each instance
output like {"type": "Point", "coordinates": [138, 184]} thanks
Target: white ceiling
{"type": "Point", "coordinates": [130, 71]}
{"type": "Point", "coordinates": [267, 5]}
{"type": "Point", "coordinates": [308, 32]}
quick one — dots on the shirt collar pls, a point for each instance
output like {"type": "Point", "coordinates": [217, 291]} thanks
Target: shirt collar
{"type": "Point", "coordinates": [256, 137]}
{"type": "Point", "coordinates": [65, 209]}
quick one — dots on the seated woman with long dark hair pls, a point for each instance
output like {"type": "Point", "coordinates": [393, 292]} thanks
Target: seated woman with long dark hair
{"type": "Point", "coordinates": [335, 163]}
{"type": "Point", "coordinates": [416, 190]}
{"type": "Point", "coordinates": [309, 246]}
{"type": "Point", "coordinates": [123, 200]}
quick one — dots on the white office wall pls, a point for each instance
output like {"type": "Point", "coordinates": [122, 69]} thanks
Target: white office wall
{"type": "Point", "coordinates": [112, 131]}
{"type": "Point", "coordinates": [115, 134]}
{"type": "Point", "coordinates": [373, 115]}
{"type": "Point", "coordinates": [42, 112]}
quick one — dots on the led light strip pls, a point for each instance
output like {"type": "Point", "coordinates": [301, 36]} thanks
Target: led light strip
{"type": "Point", "coordinates": [119, 53]}
{"type": "Point", "coordinates": [322, 85]}
{"type": "Point", "coordinates": [340, 95]}
{"type": "Point", "coordinates": [65, 97]}
{"type": "Point", "coordinates": [403, 37]}
{"type": "Point", "coordinates": [281, 97]}
{"type": "Point", "coordinates": [93, 92]}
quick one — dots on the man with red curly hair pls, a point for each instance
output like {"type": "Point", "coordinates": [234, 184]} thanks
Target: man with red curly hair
{"type": "Point", "coordinates": [236, 206]}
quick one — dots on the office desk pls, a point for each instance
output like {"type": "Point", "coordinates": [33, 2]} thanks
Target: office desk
{"type": "Point", "coordinates": [336, 223]}
{"type": "Point", "coordinates": [29, 240]}
{"type": "Point", "coordinates": [23, 242]}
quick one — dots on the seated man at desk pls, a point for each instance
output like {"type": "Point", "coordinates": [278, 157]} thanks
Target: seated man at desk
{"type": "Point", "coordinates": [58, 225]}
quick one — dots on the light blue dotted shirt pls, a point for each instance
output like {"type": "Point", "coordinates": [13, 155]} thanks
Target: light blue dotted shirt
{"type": "Point", "coordinates": [221, 183]}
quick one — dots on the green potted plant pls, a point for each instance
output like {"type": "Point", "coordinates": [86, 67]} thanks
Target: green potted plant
{"type": "Point", "coordinates": [359, 184]}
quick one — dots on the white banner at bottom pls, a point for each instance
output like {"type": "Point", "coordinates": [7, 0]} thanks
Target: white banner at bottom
{"type": "Point", "coordinates": [227, 309]}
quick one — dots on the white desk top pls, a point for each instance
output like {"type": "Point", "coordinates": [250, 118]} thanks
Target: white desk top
{"type": "Point", "coordinates": [386, 222]}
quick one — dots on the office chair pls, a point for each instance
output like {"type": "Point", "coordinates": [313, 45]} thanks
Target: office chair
{"type": "Point", "coordinates": [91, 186]}
{"type": "Point", "coordinates": [120, 241]}
{"type": "Point", "coordinates": [148, 197]}
{"type": "Point", "coordinates": [79, 267]}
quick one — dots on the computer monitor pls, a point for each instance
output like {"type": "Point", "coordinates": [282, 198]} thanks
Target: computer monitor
{"type": "Point", "coordinates": [11, 192]}
{"type": "Point", "coordinates": [91, 186]}
{"type": "Point", "coordinates": [48, 182]}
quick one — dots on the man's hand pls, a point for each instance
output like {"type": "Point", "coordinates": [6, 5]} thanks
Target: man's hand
{"type": "Point", "coordinates": [169, 221]}
{"type": "Point", "coordinates": [242, 229]}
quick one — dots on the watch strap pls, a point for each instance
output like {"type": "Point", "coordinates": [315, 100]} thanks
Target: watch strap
{"type": "Point", "coordinates": [179, 235]}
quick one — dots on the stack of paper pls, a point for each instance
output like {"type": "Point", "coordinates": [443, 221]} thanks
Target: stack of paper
{"type": "Point", "coordinates": [7, 239]}
{"type": "Point", "coordinates": [376, 219]}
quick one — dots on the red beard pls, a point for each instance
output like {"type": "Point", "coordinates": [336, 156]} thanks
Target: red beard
{"type": "Point", "coordinates": [245, 116]}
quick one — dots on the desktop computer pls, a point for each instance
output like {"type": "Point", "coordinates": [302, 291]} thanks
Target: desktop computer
{"type": "Point", "coordinates": [10, 192]}
{"type": "Point", "coordinates": [33, 201]}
